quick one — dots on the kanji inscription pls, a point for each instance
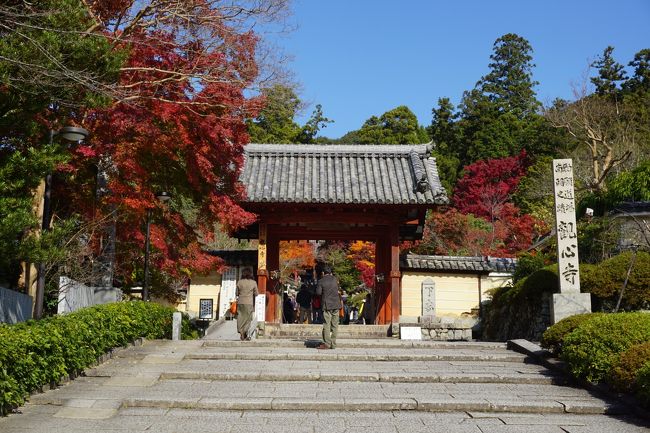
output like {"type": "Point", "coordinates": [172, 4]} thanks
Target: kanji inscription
{"type": "Point", "coordinates": [565, 225]}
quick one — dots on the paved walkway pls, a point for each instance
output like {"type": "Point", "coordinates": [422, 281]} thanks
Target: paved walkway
{"type": "Point", "coordinates": [220, 384]}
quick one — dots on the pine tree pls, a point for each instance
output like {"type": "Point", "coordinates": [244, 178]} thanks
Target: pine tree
{"type": "Point", "coordinates": [610, 72]}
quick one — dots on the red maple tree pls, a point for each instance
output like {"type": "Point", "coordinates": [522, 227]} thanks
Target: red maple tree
{"type": "Point", "coordinates": [177, 126]}
{"type": "Point", "coordinates": [483, 220]}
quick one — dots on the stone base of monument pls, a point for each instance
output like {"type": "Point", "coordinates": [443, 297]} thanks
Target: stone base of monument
{"type": "Point", "coordinates": [438, 328]}
{"type": "Point", "coordinates": [569, 304]}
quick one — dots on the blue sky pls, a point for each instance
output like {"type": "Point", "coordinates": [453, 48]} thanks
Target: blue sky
{"type": "Point", "coordinates": [360, 58]}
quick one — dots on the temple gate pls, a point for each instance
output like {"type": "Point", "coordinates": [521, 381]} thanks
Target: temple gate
{"type": "Point", "coordinates": [377, 193]}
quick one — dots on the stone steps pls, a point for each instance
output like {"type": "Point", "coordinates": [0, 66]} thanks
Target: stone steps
{"type": "Point", "coordinates": [360, 375]}
{"type": "Point", "coordinates": [251, 382]}
{"type": "Point", "coordinates": [316, 376]}
{"type": "Point", "coordinates": [342, 342]}
{"type": "Point", "coordinates": [278, 330]}
{"type": "Point", "coordinates": [350, 357]}
{"type": "Point", "coordinates": [377, 404]}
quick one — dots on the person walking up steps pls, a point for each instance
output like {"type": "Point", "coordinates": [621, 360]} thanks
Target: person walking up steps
{"type": "Point", "coordinates": [246, 293]}
{"type": "Point", "coordinates": [328, 289]}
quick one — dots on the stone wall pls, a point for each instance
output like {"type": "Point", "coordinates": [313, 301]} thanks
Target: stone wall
{"type": "Point", "coordinates": [444, 328]}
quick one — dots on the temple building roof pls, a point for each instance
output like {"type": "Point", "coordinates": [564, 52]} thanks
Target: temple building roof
{"type": "Point", "coordinates": [342, 174]}
{"type": "Point", "coordinates": [457, 263]}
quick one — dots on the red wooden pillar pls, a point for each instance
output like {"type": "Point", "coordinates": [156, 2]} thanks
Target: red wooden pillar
{"type": "Point", "coordinates": [273, 262]}
{"type": "Point", "coordinates": [394, 275]}
{"type": "Point", "coordinates": [262, 273]}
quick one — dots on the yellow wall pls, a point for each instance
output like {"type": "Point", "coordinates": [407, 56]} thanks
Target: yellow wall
{"type": "Point", "coordinates": [454, 293]}
{"type": "Point", "coordinates": [203, 287]}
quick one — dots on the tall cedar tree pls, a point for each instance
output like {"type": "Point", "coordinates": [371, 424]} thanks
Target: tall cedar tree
{"type": "Point", "coordinates": [498, 118]}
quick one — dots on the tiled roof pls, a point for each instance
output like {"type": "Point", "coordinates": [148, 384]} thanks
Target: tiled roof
{"type": "Point", "coordinates": [457, 264]}
{"type": "Point", "coordinates": [335, 173]}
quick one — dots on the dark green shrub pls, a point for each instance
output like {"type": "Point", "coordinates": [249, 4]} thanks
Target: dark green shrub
{"type": "Point", "coordinates": [642, 387]}
{"type": "Point", "coordinates": [39, 353]}
{"type": "Point", "coordinates": [516, 311]}
{"type": "Point", "coordinates": [554, 336]}
{"type": "Point", "coordinates": [527, 264]}
{"type": "Point", "coordinates": [595, 345]}
{"type": "Point", "coordinates": [626, 369]}
{"type": "Point", "coordinates": [605, 280]}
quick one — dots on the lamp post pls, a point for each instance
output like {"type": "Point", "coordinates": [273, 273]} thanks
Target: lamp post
{"type": "Point", "coordinates": [163, 196]}
{"type": "Point", "coordinates": [71, 134]}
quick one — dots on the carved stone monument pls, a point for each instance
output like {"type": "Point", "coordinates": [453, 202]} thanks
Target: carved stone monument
{"type": "Point", "coordinates": [428, 298]}
{"type": "Point", "coordinates": [569, 301]}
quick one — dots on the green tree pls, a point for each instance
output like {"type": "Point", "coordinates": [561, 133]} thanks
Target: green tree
{"type": "Point", "coordinates": [274, 123]}
{"type": "Point", "coordinates": [50, 60]}
{"type": "Point", "coordinates": [509, 83]}
{"type": "Point", "coordinates": [336, 255]}
{"type": "Point", "coordinates": [499, 117]}
{"type": "Point", "coordinates": [610, 72]}
{"type": "Point", "coordinates": [396, 126]}
{"type": "Point", "coordinates": [51, 67]}
{"type": "Point", "coordinates": [316, 122]}
{"type": "Point", "coordinates": [640, 81]}
{"type": "Point", "coordinates": [443, 131]}
{"type": "Point", "coordinates": [632, 185]}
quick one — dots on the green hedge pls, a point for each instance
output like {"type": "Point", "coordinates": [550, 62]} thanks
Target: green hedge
{"type": "Point", "coordinates": [624, 373]}
{"type": "Point", "coordinates": [39, 353]}
{"type": "Point", "coordinates": [596, 345]}
{"type": "Point", "coordinates": [553, 337]}
{"type": "Point", "coordinates": [605, 280]}
{"type": "Point", "coordinates": [642, 387]}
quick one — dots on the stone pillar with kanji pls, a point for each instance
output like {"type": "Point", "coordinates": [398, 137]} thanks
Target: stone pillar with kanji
{"type": "Point", "coordinates": [569, 301]}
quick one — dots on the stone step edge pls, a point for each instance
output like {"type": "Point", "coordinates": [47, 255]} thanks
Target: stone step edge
{"type": "Point", "coordinates": [386, 404]}
{"type": "Point", "coordinates": [351, 377]}
{"type": "Point", "coordinates": [328, 356]}
{"type": "Point", "coordinates": [353, 343]}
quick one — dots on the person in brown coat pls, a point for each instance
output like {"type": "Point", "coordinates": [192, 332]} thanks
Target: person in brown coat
{"type": "Point", "coordinates": [246, 293]}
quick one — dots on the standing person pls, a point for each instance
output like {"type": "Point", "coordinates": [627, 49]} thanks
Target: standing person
{"type": "Point", "coordinates": [328, 289]}
{"type": "Point", "coordinates": [304, 301]}
{"type": "Point", "coordinates": [287, 309]}
{"type": "Point", "coordinates": [246, 293]}
{"type": "Point", "coordinates": [368, 313]}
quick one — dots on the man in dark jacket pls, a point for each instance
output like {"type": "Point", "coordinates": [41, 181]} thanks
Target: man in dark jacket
{"type": "Point", "coordinates": [328, 289]}
{"type": "Point", "coordinates": [304, 302]}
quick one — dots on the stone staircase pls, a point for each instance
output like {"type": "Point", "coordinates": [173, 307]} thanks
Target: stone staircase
{"type": "Point", "coordinates": [255, 386]}
{"type": "Point", "coordinates": [277, 330]}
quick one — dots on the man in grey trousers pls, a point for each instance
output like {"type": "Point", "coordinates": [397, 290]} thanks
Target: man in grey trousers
{"type": "Point", "coordinates": [328, 289]}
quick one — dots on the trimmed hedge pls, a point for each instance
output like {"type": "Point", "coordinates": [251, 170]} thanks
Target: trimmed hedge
{"type": "Point", "coordinates": [595, 345]}
{"type": "Point", "coordinates": [39, 353]}
{"type": "Point", "coordinates": [642, 387]}
{"type": "Point", "coordinates": [554, 336]}
{"type": "Point", "coordinates": [624, 373]}
{"type": "Point", "coordinates": [605, 279]}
